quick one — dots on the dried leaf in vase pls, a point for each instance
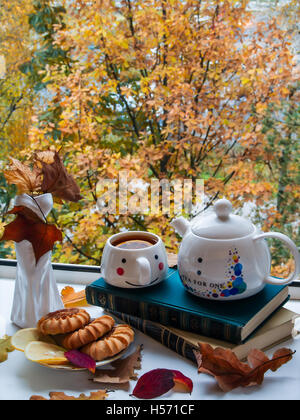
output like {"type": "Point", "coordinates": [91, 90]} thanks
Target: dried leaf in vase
{"type": "Point", "coordinates": [44, 156]}
{"type": "Point", "coordinates": [28, 226]}
{"type": "Point", "coordinates": [5, 348]}
{"type": "Point", "coordinates": [2, 228]}
{"type": "Point", "coordinates": [61, 396]}
{"type": "Point", "coordinates": [27, 180]}
{"type": "Point", "coordinates": [123, 370]}
{"type": "Point", "coordinates": [27, 213]}
{"type": "Point", "coordinates": [231, 373]}
{"type": "Point", "coordinates": [58, 182]}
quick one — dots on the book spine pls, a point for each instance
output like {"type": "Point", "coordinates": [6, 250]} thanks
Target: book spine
{"type": "Point", "coordinates": [169, 317]}
{"type": "Point", "coordinates": [159, 334]}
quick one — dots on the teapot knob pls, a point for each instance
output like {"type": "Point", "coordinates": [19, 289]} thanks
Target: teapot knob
{"type": "Point", "coordinates": [223, 208]}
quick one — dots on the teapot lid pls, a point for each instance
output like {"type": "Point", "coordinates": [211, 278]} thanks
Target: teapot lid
{"type": "Point", "coordinates": [221, 223]}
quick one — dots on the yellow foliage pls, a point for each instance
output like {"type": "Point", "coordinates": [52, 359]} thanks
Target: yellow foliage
{"type": "Point", "coordinates": [161, 89]}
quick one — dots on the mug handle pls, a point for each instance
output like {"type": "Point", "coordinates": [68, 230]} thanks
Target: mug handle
{"type": "Point", "coordinates": [145, 271]}
{"type": "Point", "coordinates": [294, 251]}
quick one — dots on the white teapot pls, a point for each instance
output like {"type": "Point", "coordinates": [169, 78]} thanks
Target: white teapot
{"type": "Point", "coordinates": [225, 257]}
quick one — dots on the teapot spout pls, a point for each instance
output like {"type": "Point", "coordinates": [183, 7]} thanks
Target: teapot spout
{"type": "Point", "coordinates": [181, 225]}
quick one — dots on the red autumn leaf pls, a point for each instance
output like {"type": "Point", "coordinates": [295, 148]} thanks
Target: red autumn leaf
{"type": "Point", "coordinates": [154, 383]}
{"type": "Point", "coordinates": [28, 226]}
{"type": "Point", "coordinates": [231, 373]}
{"type": "Point", "coordinates": [182, 382]}
{"type": "Point", "coordinates": [158, 382]}
{"type": "Point", "coordinates": [81, 360]}
{"type": "Point", "coordinates": [57, 181]}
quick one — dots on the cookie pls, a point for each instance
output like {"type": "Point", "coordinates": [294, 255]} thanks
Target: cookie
{"type": "Point", "coordinates": [63, 321]}
{"type": "Point", "coordinates": [116, 341]}
{"type": "Point", "coordinates": [89, 333]}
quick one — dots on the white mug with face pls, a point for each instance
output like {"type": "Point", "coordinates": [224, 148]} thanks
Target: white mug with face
{"type": "Point", "coordinates": [134, 260]}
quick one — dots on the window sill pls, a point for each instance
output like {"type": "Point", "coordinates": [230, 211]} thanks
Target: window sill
{"type": "Point", "coordinates": [86, 274]}
{"type": "Point", "coordinates": [64, 273]}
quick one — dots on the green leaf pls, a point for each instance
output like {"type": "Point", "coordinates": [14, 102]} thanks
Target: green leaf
{"type": "Point", "coordinates": [26, 68]}
{"type": "Point", "coordinates": [5, 347]}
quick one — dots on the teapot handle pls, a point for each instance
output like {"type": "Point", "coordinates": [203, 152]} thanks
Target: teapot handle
{"type": "Point", "coordinates": [292, 247]}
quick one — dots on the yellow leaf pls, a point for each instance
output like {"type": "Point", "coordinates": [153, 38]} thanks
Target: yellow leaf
{"type": "Point", "coordinates": [261, 107]}
{"type": "Point", "coordinates": [61, 396]}
{"type": "Point", "coordinates": [284, 91]}
{"type": "Point", "coordinates": [2, 67]}
{"type": "Point", "coordinates": [5, 347]}
{"type": "Point", "coordinates": [245, 81]}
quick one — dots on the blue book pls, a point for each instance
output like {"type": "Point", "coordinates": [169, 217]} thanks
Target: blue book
{"type": "Point", "coordinates": [169, 304]}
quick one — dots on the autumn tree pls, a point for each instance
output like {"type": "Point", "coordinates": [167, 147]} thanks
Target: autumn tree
{"type": "Point", "coordinates": [164, 89]}
{"type": "Point", "coordinates": [281, 126]}
{"type": "Point", "coordinates": [14, 50]}
{"type": "Point", "coordinates": [16, 96]}
{"type": "Point", "coordinates": [281, 158]}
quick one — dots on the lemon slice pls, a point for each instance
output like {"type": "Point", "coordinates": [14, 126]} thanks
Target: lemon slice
{"type": "Point", "coordinates": [23, 337]}
{"type": "Point", "coordinates": [45, 353]}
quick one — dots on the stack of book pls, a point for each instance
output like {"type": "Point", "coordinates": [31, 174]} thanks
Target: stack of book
{"type": "Point", "coordinates": [179, 320]}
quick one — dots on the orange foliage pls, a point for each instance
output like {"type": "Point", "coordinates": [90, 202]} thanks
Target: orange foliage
{"type": "Point", "coordinates": [164, 89]}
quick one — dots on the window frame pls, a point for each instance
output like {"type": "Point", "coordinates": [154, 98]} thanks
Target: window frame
{"type": "Point", "coordinates": [64, 273]}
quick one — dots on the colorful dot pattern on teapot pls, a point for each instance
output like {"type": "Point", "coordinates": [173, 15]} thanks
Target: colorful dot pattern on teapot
{"type": "Point", "coordinates": [235, 284]}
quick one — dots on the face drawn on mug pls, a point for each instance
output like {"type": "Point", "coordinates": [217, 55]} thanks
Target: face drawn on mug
{"type": "Point", "coordinates": [134, 260]}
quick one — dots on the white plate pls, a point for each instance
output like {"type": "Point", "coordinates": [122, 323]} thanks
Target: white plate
{"type": "Point", "coordinates": [72, 368]}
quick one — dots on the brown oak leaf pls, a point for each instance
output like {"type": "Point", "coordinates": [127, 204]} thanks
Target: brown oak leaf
{"type": "Point", "coordinates": [231, 373]}
{"type": "Point", "coordinates": [61, 396]}
{"type": "Point", "coordinates": [123, 372]}
{"type": "Point", "coordinates": [27, 180]}
{"type": "Point", "coordinates": [58, 182]}
{"type": "Point", "coordinates": [71, 298]}
{"type": "Point", "coordinates": [28, 226]}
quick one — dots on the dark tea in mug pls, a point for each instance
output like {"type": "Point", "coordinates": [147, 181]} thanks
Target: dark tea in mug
{"type": "Point", "coordinates": [138, 242]}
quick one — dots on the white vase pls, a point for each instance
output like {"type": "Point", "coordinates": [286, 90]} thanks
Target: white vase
{"type": "Point", "coordinates": [36, 293]}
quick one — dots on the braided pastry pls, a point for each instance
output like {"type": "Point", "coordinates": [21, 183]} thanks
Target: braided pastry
{"type": "Point", "coordinates": [63, 321]}
{"type": "Point", "coordinates": [119, 339]}
{"type": "Point", "coordinates": [89, 333]}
